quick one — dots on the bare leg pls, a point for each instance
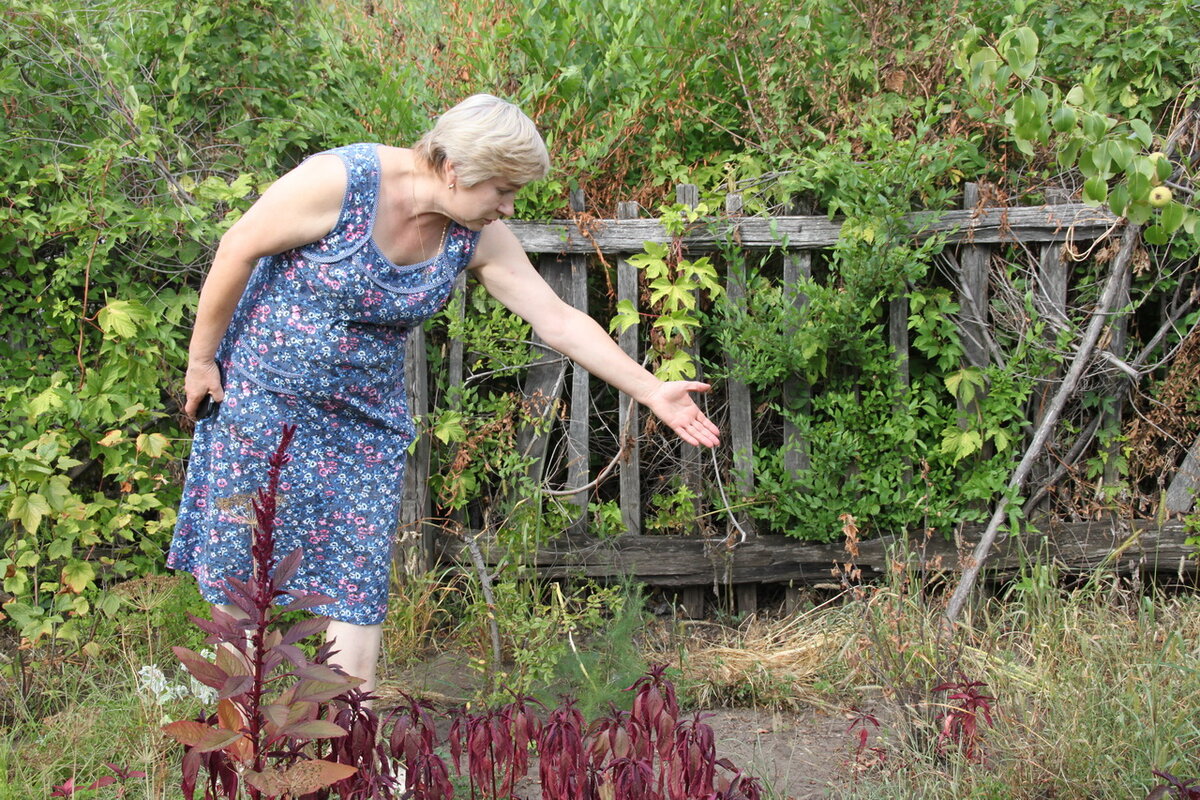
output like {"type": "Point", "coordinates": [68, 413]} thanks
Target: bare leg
{"type": "Point", "coordinates": [358, 649]}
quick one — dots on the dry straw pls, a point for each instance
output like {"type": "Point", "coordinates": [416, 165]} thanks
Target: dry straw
{"type": "Point", "coordinates": [763, 662]}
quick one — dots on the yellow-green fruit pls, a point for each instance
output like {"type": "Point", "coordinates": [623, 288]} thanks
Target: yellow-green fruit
{"type": "Point", "coordinates": [1160, 196]}
{"type": "Point", "coordinates": [1162, 168]}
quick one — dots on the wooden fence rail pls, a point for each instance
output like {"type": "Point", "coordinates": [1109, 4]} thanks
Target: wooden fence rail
{"type": "Point", "coordinates": [560, 249]}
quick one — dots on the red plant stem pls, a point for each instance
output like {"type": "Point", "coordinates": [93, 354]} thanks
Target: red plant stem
{"type": "Point", "coordinates": [262, 551]}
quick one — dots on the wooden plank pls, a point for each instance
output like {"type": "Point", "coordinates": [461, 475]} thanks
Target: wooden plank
{"type": "Point", "coordinates": [1050, 300]}
{"type": "Point", "coordinates": [690, 602]}
{"type": "Point", "coordinates": [680, 561]}
{"type": "Point", "coordinates": [457, 309]}
{"type": "Point", "coordinates": [796, 458]}
{"type": "Point", "coordinates": [1118, 344]}
{"type": "Point", "coordinates": [745, 598]}
{"type": "Point", "coordinates": [630, 474]}
{"type": "Point", "coordinates": [973, 292]}
{"type": "Point", "coordinates": [741, 428]}
{"type": "Point", "coordinates": [691, 465]}
{"type": "Point", "coordinates": [455, 364]}
{"type": "Point", "coordinates": [546, 375]}
{"type": "Point", "coordinates": [1181, 493]}
{"type": "Point", "coordinates": [1059, 223]}
{"type": "Point", "coordinates": [581, 400]}
{"type": "Point", "coordinates": [974, 301]}
{"type": "Point", "coordinates": [417, 534]}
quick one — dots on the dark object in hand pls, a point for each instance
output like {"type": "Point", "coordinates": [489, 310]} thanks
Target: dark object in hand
{"type": "Point", "coordinates": [207, 408]}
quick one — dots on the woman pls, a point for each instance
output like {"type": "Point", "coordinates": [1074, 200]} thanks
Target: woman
{"type": "Point", "coordinates": [302, 319]}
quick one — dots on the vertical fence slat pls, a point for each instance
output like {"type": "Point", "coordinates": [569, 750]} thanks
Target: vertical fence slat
{"type": "Point", "coordinates": [973, 317]}
{"type": "Point", "coordinates": [1118, 344]}
{"type": "Point", "coordinates": [741, 429]}
{"type": "Point", "coordinates": [692, 597]}
{"type": "Point", "coordinates": [1050, 300]}
{"type": "Point", "coordinates": [415, 505]}
{"type": "Point", "coordinates": [546, 375]}
{"type": "Point", "coordinates": [973, 296]}
{"type": "Point", "coordinates": [581, 402]}
{"type": "Point", "coordinates": [455, 361]}
{"type": "Point", "coordinates": [796, 266]}
{"type": "Point", "coordinates": [630, 469]}
{"type": "Point", "coordinates": [687, 194]}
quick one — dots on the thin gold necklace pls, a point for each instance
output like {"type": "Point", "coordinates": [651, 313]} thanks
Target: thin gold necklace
{"type": "Point", "coordinates": [421, 232]}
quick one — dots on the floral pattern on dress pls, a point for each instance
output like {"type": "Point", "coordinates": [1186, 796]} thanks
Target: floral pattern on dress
{"type": "Point", "coordinates": [317, 340]}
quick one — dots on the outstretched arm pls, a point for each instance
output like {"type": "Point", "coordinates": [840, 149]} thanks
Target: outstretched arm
{"type": "Point", "coordinates": [505, 271]}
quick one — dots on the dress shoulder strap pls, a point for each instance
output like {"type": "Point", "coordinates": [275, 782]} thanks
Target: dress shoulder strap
{"type": "Point", "coordinates": [357, 217]}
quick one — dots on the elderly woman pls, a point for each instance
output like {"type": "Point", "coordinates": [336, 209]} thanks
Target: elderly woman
{"type": "Point", "coordinates": [303, 318]}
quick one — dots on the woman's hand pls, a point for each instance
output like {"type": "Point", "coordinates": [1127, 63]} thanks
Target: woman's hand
{"type": "Point", "coordinates": [202, 378]}
{"type": "Point", "coordinates": [672, 403]}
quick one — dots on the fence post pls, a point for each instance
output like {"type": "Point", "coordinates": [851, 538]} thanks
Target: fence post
{"type": "Point", "coordinates": [973, 317]}
{"type": "Point", "coordinates": [1050, 300]}
{"type": "Point", "coordinates": [418, 542]}
{"type": "Point", "coordinates": [796, 460]}
{"type": "Point", "coordinates": [630, 468]}
{"type": "Point", "coordinates": [741, 430]}
{"type": "Point", "coordinates": [581, 399]}
{"type": "Point", "coordinates": [692, 597]}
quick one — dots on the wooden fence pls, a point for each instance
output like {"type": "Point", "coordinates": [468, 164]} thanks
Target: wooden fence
{"type": "Point", "coordinates": [561, 250]}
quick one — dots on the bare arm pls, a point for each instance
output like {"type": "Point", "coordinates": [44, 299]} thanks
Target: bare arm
{"type": "Point", "coordinates": [505, 271]}
{"type": "Point", "coordinates": [297, 209]}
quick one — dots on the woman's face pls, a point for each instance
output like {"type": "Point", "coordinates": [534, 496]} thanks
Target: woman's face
{"type": "Point", "coordinates": [476, 206]}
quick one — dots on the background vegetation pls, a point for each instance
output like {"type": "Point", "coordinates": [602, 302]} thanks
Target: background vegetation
{"type": "Point", "coordinates": [137, 130]}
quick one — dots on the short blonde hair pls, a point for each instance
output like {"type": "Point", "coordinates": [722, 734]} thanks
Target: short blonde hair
{"type": "Point", "coordinates": [485, 137]}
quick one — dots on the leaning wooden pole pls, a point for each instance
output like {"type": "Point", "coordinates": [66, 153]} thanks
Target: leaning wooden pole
{"type": "Point", "coordinates": [1100, 318]}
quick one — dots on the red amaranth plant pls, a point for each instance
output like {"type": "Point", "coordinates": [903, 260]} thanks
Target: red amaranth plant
{"type": "Point", "coordinates": [316, 740]}
{"type": "Point", "coordinates": [966, 707]}
{"type": "Point", "coordinates": [258, 740]}
{"type": "Point", "coordinates": [117, 779]}
{"type": "Point", "coordinates": [1175, 788]}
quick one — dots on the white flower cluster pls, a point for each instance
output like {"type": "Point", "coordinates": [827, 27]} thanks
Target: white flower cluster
{"type": "Point", "coordinates": [153, 685]}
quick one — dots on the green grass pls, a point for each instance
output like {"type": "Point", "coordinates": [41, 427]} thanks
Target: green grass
{"type": "Point", "coordinates": [1095, 689]}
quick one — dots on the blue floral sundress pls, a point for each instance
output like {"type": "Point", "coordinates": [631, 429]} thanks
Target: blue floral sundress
{"type": "Point", "coordinates": [317, 341]}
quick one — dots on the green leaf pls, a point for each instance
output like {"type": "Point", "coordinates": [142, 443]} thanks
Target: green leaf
{"type": "Point", "coordinates": [152, 444]}
{"type": "Point", "coordinates": [1063, 119]}
{"type": "Point", "coordinates": [29, 509]}
{"type": "Point", "coordinates": [678, 367]}
{"type": "Point", "coordinates": [1172, 217]}
{"type": "Point", "coordinates": [450, 428]}
{"type": "Point", "coordinates": [1094, 126]}
{"type": "Point", "coordinates": [1118, 199]}
{"type": "Point", "coordinates": [676, 323]}
{"type": "Point", "coordinates": [120, 318]}
{"type": "Point", "coordinates": [626, 317]}
{"type": "Point", "coordinates": [1156, 235]}
{"type": "Point", "coordinates": [1120, 153]}
{"type": "Point", "coordinates": [963, 383]}
{"type": "Point", "coordinates": [78, 575]}
{"type": "Point", "coordinates": [1142, 131]}
{"type": "Point", "coordinates": [1095, 191]}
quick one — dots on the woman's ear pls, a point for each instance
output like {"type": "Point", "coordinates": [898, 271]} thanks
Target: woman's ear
{"type": "Point", "coordinates": [450, 174]}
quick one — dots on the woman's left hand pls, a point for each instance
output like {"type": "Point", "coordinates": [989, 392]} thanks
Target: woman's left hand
{"type": "Point", "coordinates": [672, 403]}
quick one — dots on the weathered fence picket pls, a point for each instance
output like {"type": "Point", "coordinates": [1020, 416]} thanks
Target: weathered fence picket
{"type": "Point", "coordinates": [561, 249]}
{"type": "Point", "coordinates": [629, 413]}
